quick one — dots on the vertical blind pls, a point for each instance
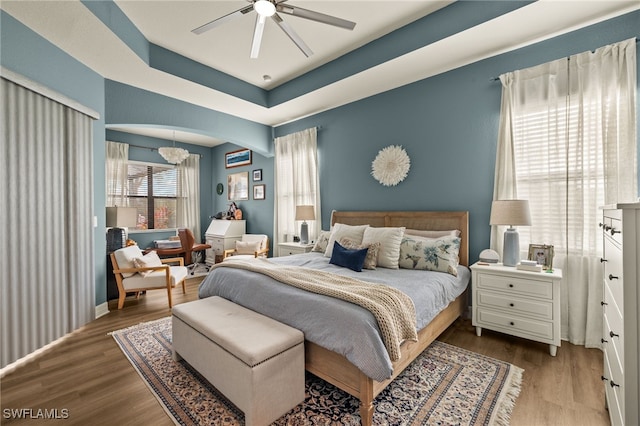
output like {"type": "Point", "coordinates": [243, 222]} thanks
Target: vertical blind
{"type": "Point", "coordinates": [48, 281]}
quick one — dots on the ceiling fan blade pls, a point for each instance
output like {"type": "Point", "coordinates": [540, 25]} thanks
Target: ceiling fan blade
{"type": "Point", "coordinates": [257, 36]}
{"type": "Point", "coordinates": [219, 21]}
{"type": "Point", "coordinates": [292, 35]}
{"type": "Point", "coordinates": [315, 16]}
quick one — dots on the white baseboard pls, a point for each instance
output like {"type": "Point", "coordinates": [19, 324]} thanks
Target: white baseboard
{"type": "Point", "coordinates": [102, 310]}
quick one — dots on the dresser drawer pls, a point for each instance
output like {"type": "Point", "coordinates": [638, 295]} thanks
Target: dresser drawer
{"type": "Point", "coordinates": [612, 228]}
{"type": "Point", "coordinates": [521, 286]}
{"type": "Point", "coordinates": [613, 276]}
{"type": "Point", "coordinates": [614, 394]}
{"type": "Point", "coordinates": [612, 323]}
{"type": "Point", "coordinates": [514, 324]}
{"type": "Point", "coordinates": [516, 305]}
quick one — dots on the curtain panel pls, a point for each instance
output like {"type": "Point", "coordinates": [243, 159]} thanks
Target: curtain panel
{"type": "Point", "coordinates": [567, 143]}
{"type": "Point", "coordinates": [48, 203]}
{"type": "Point", "coordinates": [296, 183]}
{"type": "Point", "coordinates": [188, 202]}
{"type": "Point", "coordinates": [117, 173]}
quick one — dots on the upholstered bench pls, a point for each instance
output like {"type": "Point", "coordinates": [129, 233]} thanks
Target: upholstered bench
{"type": "Point", "coordinates": [255, 361]}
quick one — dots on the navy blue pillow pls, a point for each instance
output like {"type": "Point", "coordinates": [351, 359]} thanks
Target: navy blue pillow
{"type": "Point", "coordinates": [348, 258]}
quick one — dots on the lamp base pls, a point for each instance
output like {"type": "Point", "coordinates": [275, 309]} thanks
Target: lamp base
{"type": "Point", "coordinates": [304, 233]}
{"type": "Point", "coordinates": [511, 247]}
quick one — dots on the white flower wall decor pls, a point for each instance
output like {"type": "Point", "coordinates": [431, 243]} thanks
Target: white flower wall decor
{"type": "Point", "coordinates": [391, 165]}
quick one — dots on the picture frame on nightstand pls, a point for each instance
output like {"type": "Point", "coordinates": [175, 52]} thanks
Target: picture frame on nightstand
{"type": "Point", "coordinates": [542, 254]}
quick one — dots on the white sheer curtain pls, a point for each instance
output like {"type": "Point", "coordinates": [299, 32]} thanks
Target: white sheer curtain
{"type": "Point", "coordinates": [296, 183]}
{"type": "Point", "coordinates": [188, 203]}
{"type": "Point", "coordinates": [116, 170]}
{"type": "Point", "coordinates": [567, 143]}
{"type": "Point", "coordinates": [48, 280]}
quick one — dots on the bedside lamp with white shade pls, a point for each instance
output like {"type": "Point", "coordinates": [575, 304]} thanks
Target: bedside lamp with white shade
{"type": "Point", "coordinates": [305, 213]}
{"type": "Point", "coordinates": [512, 213]}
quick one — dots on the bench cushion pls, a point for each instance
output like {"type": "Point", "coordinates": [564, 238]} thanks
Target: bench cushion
{"type": "Point", "coordinates": [251, 337]}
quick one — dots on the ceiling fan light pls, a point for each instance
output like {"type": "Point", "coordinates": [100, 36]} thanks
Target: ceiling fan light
{"type": "Point", "coordinates": [264, 8]}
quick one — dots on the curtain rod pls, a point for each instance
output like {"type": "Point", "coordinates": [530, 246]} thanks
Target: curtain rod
{"type": "Point", "coordinates": [568, 58]}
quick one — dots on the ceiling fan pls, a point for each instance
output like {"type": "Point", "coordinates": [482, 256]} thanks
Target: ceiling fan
{"type": "Point", "coordinates": [270, 8]}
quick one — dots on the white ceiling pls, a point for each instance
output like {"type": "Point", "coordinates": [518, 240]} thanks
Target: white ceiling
{"type": "Point", "coordinates": [168, 23]}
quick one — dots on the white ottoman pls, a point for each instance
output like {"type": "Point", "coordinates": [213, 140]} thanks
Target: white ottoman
{"type": "Point", "coordinates": [255, 361]}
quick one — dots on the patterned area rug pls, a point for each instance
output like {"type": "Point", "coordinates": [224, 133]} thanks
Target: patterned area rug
{"type": "Point", "coordinates": [445, 385]}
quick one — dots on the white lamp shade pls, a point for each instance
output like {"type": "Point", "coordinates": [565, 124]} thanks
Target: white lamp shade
{"type": "Point", "coordinates": [510, 212]}
{"type": "Point", "coordinates": [122, 217]}
{"type": "Point", "coordinates": [305, 213]}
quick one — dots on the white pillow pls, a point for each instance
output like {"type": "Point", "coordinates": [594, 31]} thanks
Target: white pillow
{"type": "Point", "coordinates": [390, 239]}
{"type": "Point", "coordinates": [147, 261]}
{"type": "Point", "coordinates": [340, 230]}
{"type": "Point", "coordinates": [432, 234]}
{"type": "Point", "coordinates": [125, 256]}
{"type": "Point", "coordinates": [247, 247]}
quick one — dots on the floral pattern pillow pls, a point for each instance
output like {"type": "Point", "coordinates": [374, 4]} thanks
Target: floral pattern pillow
{"type": "Point", "coordinates": [431, 254]}
{"type": "Point", "coordinates": [322, 241]}
{"type": "Point", "coordinates": [371, 261]}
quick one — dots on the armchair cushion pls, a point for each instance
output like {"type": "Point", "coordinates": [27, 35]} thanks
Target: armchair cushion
{"type": "Point", "coordinates": [125, 256]}
{"type": "Point", "coordinates": [156, 279]}
{"type": "Point", "coordinates": [255, 238]}
{"type": "Point", "coordinates": [148, 260]}
{"type": "Point", "coordinates": [247, 247]}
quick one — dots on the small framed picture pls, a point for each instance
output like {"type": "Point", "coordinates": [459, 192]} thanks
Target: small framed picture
{"type": "Point", "coordinates": [257, 175]}
{"type": "Point", "coordinates": [542, 254]}
{"type": "Point", "coordinates": [258, 192]}
{"type": "Point", "coordinates": [238, 186]}
{"type": "Point", "coordinates": [241, 157]}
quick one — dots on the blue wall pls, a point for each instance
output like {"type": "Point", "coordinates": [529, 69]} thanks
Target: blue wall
{"type": "Point", "coordinates": [448, 124]}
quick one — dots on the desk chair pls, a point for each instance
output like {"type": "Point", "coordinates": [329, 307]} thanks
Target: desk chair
{"type": "Point", "coordinates": [189, 246]}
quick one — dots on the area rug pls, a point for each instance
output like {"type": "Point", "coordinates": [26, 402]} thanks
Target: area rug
{"type": "Point", "coordinates": [445, 385]}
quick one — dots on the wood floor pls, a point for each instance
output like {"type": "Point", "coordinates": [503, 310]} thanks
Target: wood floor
{"type": "Point", "coordinates": [88, 375]}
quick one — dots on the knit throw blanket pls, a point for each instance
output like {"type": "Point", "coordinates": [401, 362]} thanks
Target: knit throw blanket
{"type": "Point", "coordinates": [393, 310]}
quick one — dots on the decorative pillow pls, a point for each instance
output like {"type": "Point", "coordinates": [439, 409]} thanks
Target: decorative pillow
{"type": "Point", "coordinates": [371, 260]}
{"type": "Point", "coordinates": [352, 259]}
{"type": "Point", "coordinates": [431, 254]}
{"type": "Point", "coordinates": [432, 234]}
{"type": "Point", "coordinates": [340, 230]}
{"type": "Point", "coordinates": [147, 261]}
{"type": "Point", "coordinates": [322, 241]}
{"type": "Point", "coordinates": [390, 239]}
{"type": "Point", "coordinates": [247, 247]}
{"type": "Point", "coordinates": [124, 258]}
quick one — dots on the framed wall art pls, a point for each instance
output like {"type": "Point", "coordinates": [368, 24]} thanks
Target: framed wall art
{"type": "Point", "coordinates": [241, 157]}
{"type": "Point", "coordinates": [258, 192]}
{"type": "Point", "coordinates": [257, 175]}
{"type": "Point", "coordinates": [238, 186]}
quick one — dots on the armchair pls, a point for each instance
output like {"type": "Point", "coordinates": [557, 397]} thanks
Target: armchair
{"type": "Point", "coordinates": [136, 272]}
{"type": "Point", "coordinates": [250, 246]}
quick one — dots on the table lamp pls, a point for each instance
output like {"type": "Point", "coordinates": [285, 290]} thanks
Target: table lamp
{"type": "Point", "coordinates": [512, 213]}
{"type": "Point", "coordinates": [119, 219]}
{"type": "Point", "coordinates": [305, 213]}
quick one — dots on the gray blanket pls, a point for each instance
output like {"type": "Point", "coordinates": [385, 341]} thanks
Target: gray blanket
{"type": "Point", "coordinates": [335, 324]}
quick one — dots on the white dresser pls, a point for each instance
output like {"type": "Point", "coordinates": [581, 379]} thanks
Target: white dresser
{"type": "Point", "coordinates": [521, 303]}
{"type": "Point", "coordinates": [621, 300]}
{"type": "Point", "coordinates": [222, 234]}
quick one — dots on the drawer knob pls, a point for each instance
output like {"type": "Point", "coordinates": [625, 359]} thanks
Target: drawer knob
{"type": "Point", "coordinates": [613, 231]}
{"type": "Point", "coordinates": [510, 285]}
{"type": "Point", "coordinates": [511, 323]}
{"type": "Point", "coordinates": [602, 260]}
{"type": "Point", "coordinates": [603, 341]}
{"type": "Point", "coordinates": [613, 384]}
{"type": "Point", "coordinates": [511, 304]}
{"type": "Point", "coordinates": [606, 227]}
{"type": "Point", "coordinates": [613, 277]}
{"type": "Point", "coordinates": [604, 379]}
{"type": "Point", "coordinates": [600, 225]}
{"type": "Point", "coordinates": [603, 303]}
{"type": "Point", "coordinates": [612, 334]}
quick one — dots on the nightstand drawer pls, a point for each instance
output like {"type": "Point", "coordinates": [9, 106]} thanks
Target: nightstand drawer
{"type": "Point", "coordinates": [521, 286]}
{"type": "Point", "coordinates": [614, 393]}
{"type": "Point", "coordinates": [516, 325]}
{"type": "Point", "coordinates": [517, 305]}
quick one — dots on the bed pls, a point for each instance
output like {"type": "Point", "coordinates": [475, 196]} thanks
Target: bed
{"type": "Point", "coordinates": [334, 364]}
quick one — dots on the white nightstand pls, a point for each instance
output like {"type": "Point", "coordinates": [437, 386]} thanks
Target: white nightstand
{"type": "Point", "coordinates": [519, 303]}
{"type": "Point", "coordinates": [287, 249]}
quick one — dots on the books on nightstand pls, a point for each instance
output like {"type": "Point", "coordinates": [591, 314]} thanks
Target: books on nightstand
{"type": "Point", "coordinates": [529, 265]}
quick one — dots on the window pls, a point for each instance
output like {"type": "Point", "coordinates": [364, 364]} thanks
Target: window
{"type": "Point", "coordinates": [152, 189]}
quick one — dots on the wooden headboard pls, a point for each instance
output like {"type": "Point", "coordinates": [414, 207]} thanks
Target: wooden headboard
{"type": "Point", "coordinates": [424, 220]}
